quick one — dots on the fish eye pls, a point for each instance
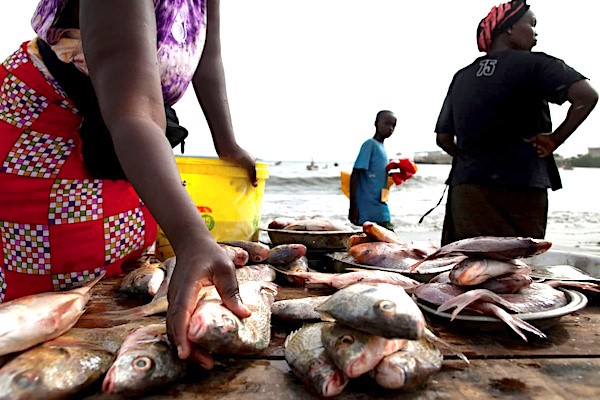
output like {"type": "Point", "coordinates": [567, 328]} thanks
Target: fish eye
{"type": "Point", "coordinates": [346, 339]}
{"type": "Point", "coordinates": [142, 363]}
{"type": "Point", "coordinates": [25, 380]}
{"type": "Point", "coordinates": [386, 306]}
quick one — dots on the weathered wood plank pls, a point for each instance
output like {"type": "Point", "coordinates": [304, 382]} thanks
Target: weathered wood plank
{"type": "Point", "coordinates": [574, 335]}
{"type": "Point", "coordinates": [482, 379]}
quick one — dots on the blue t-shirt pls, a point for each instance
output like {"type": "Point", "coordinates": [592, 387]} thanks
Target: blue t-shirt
{"type": "Point", "coordinates": [372, 160]}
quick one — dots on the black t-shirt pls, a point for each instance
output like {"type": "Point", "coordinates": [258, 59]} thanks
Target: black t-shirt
{"type": "Point", "coordinates": [492, 105]}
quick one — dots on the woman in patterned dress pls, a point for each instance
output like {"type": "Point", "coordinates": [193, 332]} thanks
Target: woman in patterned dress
{"type": "Point", "coordinates": [61, 224]}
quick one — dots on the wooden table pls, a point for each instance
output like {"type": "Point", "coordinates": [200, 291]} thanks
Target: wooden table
{"type": "Point", "coordinates": [566, 365]}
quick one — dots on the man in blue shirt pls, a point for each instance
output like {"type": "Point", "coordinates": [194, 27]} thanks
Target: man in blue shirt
{"type": "Point", "coordinates": [368, 182]}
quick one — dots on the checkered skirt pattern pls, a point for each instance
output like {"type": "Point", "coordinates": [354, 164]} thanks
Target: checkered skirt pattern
{"type": "Point", "coordinates": [59, 228]}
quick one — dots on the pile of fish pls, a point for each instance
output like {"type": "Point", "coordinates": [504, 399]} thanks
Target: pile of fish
{"type": "Point", "coordinates": [380, 247]}
{"type": "Point", "coordinates": [491, 279]}
{"type": "Point", "coordinates": [43, 356]}
{"type": "Point", "coordinates": [313, 223]}
{"type": "Point", "coordinates": [374, 329]}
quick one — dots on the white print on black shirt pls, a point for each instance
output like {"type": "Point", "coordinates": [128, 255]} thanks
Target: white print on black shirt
{"type": "Point", "coordinates": [487, 67]}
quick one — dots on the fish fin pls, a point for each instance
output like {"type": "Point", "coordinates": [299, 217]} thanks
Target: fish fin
{"type": "Point", "coordinates": [515, 323]}
{"type": "Point", "coordinates": [89, 284]}
{"type": "Point", "coordinates": [438, 342]}
{"type": "Point", "coordinates": [326, 317]}
{"type": "Point", "coordinates": [413, 267]}
{"type": "Point", "coordinates": [463, 300]}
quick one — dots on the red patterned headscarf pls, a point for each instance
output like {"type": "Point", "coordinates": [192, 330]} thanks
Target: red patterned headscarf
{"type": "Point", "coordinates": [498, 20]}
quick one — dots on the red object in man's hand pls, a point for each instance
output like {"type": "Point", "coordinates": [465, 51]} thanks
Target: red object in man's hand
{"type": "Point", "coordinates": [401, 170]}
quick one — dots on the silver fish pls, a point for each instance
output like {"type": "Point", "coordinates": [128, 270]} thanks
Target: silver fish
{"type": "Point", "coordinates": [216, 328]}
{"type": "Point", "coordinates": [498, 248]}
{"type": "Point", "coordinates": [473, 271]}
{"type": "Point", "coordinates": [439, 293]}
{"type": "Point", "coordinates": [144, 280]}
{"type": "Point", "coordinates": [30, 320]}
{"type": "Point", "coordinates": [356, 352]}
{"type": "Point", "coordinates": [63, 366]}
{"type": "Point", "coordinates": [145, 361]}
{"type": "Point", "coordinates": [536, 297]}
{"type": "Point", "coordinates": [257, 251]}
{"type": "Point", "coordinates": [342, 280]}
{"type": "Point", "coordinates": [308, 360]}
{"type": "Point", "coordinates": [298, 309]}
{"type": "Point", "coordinates": [380, 309]}
{"type": "Point", "coordinates": [409, 367]}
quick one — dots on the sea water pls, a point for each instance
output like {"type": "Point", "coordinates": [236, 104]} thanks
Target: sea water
{"type": "Point", "coordinates": [294, 191]}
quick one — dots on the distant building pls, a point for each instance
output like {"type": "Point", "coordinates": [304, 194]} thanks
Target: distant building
{"type": "Point", "coordinates": [594, 151]}
{"type": "Point", "coordinates": [432, 157]}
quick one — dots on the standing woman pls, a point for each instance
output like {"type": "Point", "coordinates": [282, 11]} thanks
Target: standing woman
{"type": "Point", "coordinates": [73, 206]}
{"type": "Point", "coordinates": [495, 122]}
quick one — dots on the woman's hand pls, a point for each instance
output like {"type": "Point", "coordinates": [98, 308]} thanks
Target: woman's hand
{"type": "Point", "coordinates": [245, 160]}
{"type": "Point", "coordinates": [203, 265]}
{"type": "Point", "coordinates": [543, 143]}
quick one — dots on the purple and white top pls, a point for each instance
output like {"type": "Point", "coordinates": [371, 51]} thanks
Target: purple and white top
{"type": "Point", "coordinates": [181, 30]}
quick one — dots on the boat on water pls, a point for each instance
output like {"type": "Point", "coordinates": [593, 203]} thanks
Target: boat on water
{"type": "Point", "coordinates": [312, 166]}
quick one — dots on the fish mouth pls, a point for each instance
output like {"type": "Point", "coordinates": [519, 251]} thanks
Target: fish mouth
{"type": "Point", "coordinates": [108, 385]}
{"type": "Point", "coordinates": [196, 331]}
{"type": "Point", "coordinates": [334, 384]}
{"type": "Point", "coordinates": [358, 366]}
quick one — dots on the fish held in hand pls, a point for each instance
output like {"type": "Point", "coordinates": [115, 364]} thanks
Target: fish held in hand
{"type": "Point", "coordinates": [145, 361]}
{"type": "Point", "coordinates": [217, 329]}
{"type": "Point", "coordinates": [473, 271]}
{"type": "Point", "coordinates": [308, 360]}
{"type": "Point", "coordinates": [356, 352]}
{"type": "Point", "coordinates": [30, 320]}
{"type": "Point", "coordinates": [380, 309]}
{"type": "Point", "coordinates": [409, 367]}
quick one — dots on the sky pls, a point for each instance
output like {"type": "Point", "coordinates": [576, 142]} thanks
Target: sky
{"type": "Point", "coordinates": [306, 78]}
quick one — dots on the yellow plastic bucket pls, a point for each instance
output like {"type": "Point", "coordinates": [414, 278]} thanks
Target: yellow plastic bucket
{"type": "Point", "coordinates": [345, 182]}
{"type": "Point", "coordinates": [229, 204]}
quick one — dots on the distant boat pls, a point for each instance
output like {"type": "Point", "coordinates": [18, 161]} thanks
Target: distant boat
{"type": "Point", "coordinates": [312, 166]}
{"type": "Point", "coordinates": [277, 163]}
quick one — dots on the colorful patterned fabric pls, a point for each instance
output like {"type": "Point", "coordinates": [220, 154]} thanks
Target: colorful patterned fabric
{"type": "Point", "coordinates": [181, 31]}
{"type": "Point", "coordinates": [498, 20]}
{"type": "Point", "coordinates": [58, 227]}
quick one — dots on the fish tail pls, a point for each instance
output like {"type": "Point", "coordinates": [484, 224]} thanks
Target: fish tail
{"type": "Point", "coordinates": [438, 342]}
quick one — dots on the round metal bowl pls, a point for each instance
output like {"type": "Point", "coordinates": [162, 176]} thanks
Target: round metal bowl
{"type": "Point", "coordinates": [542, 320]}
{"type": "Point", "coordinates": [331, 240]}
{"type": "Point", "coordinates": [342, 261]}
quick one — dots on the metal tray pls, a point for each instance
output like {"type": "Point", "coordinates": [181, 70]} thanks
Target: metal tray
{"type": "Point", "coordinates": [331, 240]}
{"type": "Point", "coordinates": [342, 261]}
{"type": "Point", "coordinates": [542, 319]}
{"type": "Point", "coordinates": [585, 263]}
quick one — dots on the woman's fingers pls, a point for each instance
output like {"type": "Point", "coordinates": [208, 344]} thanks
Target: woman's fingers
{"type": "Point", "coordinates": [178, 320]}
{"type": "Point", "coordinates": [228, 289]}
{"type": "Point", "coordinates": [201, 357]}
